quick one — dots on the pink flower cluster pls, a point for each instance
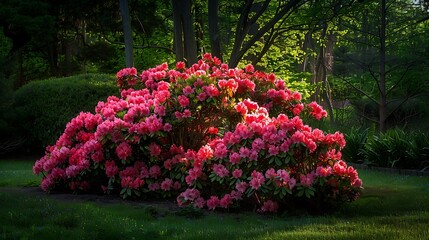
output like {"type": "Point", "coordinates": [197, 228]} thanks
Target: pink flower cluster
{"type": "Point", "coordinates": [167, 136]}
{"type": "Point", "coordinates": [273, 158]}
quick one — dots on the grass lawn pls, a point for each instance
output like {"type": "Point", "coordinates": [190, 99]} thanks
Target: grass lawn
{"type": "Point", "coordinates": [391, 207]}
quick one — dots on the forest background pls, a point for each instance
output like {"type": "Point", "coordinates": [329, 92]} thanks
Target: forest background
{"type": "Point", "coordinates": [365, 61]}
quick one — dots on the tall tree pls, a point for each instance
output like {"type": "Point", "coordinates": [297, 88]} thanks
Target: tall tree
{"type": "Point", "coordinates": [128, 34]}
{"type": "Point", "coordinates": [384, 57]}
{"type": "Point", "coordinates": [185, 43]}
{"type": "Point", "coordinates": [214, 33]}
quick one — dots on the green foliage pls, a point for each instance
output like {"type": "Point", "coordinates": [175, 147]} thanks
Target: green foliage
{"type": "Point", "coordinates": [396, 148]}
{"type": "Point", "coordinates": [44, 107]}
{"type": "Point", "coordinates": [356, 140]}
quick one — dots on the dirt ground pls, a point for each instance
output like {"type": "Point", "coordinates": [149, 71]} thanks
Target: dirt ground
{"type": "Point", "coordinates": [169, 205]}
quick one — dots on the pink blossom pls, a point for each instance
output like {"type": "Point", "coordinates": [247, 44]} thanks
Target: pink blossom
{"type": "Point", "coordinates": [155, 171]}
{"type": "Point", "coordinates": [154, 186]}
{"type": "Point", "coordinates": [220, 151]}
{"type": "Point", "coordinates": [250, 105]}
{"type": "Point", "coordinates": [257, 179]}
{"type": "Point", "coordinates": [340, 168]}
{"type": "Point", "coordinates": [180, 65]}
{"type": "Point", "coordinates": [111, 168]}
{"type": "Point", "coordinates": [47, 184]}
{"type": "Point", "coordinates": [188, 90]}
{"type": "Point", "coordinates": [193, 174]}
{"type": "Point", "coordinates": [73, 170]}
{"type": "Point", "coordinates": [213, 202]}
{"type": "Point", "coordinates": [244, 152]}
{"type": "Point", "coordinates": [213, 130]}
{"type": "Point", "coordinates": [183, 101]}
{"type": "Point", "coordinates": [225, 201]}
{"type": "Point", "coordinates": [292, 183]}
{"type": "Point", "coordinates": [154, 150]}
{"type": "Point", "coordinates": [336, 138]}
{"type": "Point", "coordinates": [191, 194]}
{"type": "Point", "coordinates": [258, 144]}
{"type": "Point", "coordinates": [284, 175]}
{"type": "Point", "coordinates": [241, 108]}
{"type": "Point", "coordinates": [269, 206]}
{"type": "Point", "coordinates": [243, 131]}
{"type": "Point", "coordinates": [186, 113]}
{"type": "Point", "coordinates": [307, 180]}
{"type": "Point", "coordinates": [271, 173]}
{"type": "Point", "coordinates": [199, 202]}
{"type": "Point", "coordinates": [123, 150]}
{"type": "Point", "coordinates": [177, 185]}
{"type": "Point", "coordinates": [160, 110]}
{"type": "Point", "coordinates": [357, 183]}
{"type": "Point", "coordinates": [284, 147]}
{"type": "Point", "coordinates": [237, 173]}
{"type": "Point", "coordinates": [38, 166]}
{"type": "Point", "coordinates": [220, 170]}
{"type": "Point", "coordinates": [273, 150]}
{"type": "Point", "coordinates": [129, 172]}
{"type": "Point", "coordinates": [166, 184]}
{"type": "Point", "coordinates": [205, 152]}
{"type": "Point", "coordinates": [211, 90]}
{"type": "Point", "coordinates": [167, 127]}
{"type": "Point", "coordinates": [296, 96]}
{"type": "Point", "coordinates": [297, 109]}
{"type": "Point", "coordinates": [323, 172]}
{"type": "Point", "coordinates": [241, 186]}
{"type": "Point", "coordinates": [254, 155]}
{"type": "Point", "coordinates": [236, 195]}
{"type": "Point", "coordinates": [234, 158]}
{"type": "Point", "coordinates": [317, 111]}
{"type": "Point", "coordinates": [245, 85]}
{"type": "Point", "coordinates": [202, 96]}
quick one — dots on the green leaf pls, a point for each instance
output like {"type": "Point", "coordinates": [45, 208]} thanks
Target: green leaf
{"type": "Point", "coordinates": [137, 192]}
{"type": "Point", "coordinates": [123, 191]}
{"type": "Point", "coordinates": [300, 193]}
{"type": "Point", "coordinates": [278, 161]}
{"type": "Point", "coordinates": [121, 114]}
{"type": "Point", "coordinates": [249, 192]}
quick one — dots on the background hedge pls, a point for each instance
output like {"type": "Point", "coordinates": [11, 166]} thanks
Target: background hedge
{"type": "Point", "coordinates": [42, 109]}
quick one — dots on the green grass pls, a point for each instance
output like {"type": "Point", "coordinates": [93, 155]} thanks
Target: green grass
{"type": "Point", "coordinates": [17, 172]}
{"type": "Point", "coordinates": [391, 207]}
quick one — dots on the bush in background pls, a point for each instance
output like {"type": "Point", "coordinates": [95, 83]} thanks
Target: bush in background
{"type": "Point", "coordinates": [42, 108]}
{"type": "Point", "coordinates": [395, 148]}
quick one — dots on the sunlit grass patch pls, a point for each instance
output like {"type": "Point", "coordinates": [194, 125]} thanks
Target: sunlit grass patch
{"type": "Point", "coordinates": [17, 172]}
{"type": "Point", "coordinates": [391, 207]}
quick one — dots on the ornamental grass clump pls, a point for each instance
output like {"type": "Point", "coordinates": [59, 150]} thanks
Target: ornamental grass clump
{"type": "Point", "coordinates": [209, 136]}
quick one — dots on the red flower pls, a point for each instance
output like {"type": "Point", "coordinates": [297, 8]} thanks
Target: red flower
{"type": "Point", "coordinates": [213, 130]}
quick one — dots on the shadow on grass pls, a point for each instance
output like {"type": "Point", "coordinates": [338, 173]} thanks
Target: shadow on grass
{"type": "Point", "coordinates": [391, 207]}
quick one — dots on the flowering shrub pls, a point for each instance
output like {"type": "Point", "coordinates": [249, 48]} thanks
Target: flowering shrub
{"type": "Point", "coordinates": [209, 135]}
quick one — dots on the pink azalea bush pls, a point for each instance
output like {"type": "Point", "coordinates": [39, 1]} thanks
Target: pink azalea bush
{"type": "Point", "coordinates": [210, 136]}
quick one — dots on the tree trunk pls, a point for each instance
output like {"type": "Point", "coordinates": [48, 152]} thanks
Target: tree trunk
{"type": "Point", "coordinates": [327, 69]}
{"type": "Point", "coordinates": [214, 32]}
{"type": "Point", "coordinates": [178, 31]}
{"type": "Point", "coordinates": [382, 80]}
{"type": "Point", "coordinates": [184, 34]}
{"type": "Point", "coordinates": [247, 19]}
{"type": "Point", "coordinates": [199, 33]}
{"type": "Point", "coordinates": [128, 34]}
